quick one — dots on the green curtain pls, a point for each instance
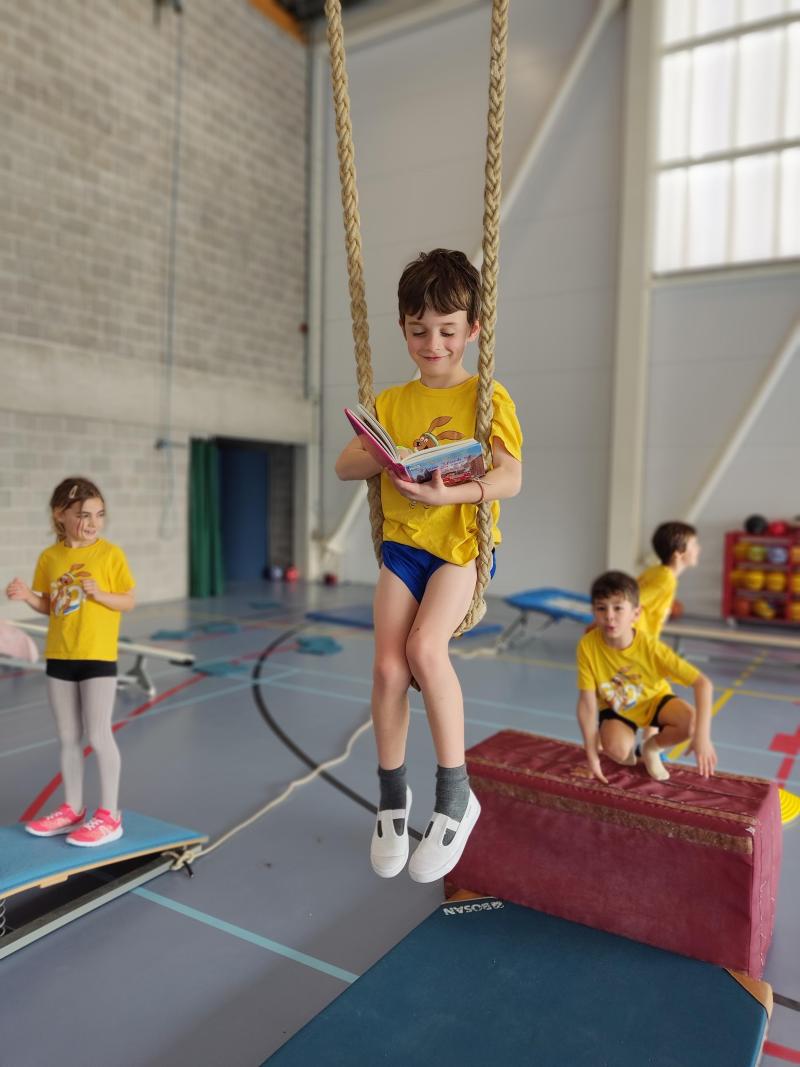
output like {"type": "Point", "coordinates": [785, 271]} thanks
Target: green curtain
{"type": "Point", "coordinates": [205, 541]}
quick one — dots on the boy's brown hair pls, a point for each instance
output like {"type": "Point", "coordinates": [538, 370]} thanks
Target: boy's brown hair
{"type": "Point", "coordinates": [672, 537]}
{"type": "Point", "coordinates": [69, 492]}
{"type": "Point", "coordinates": [443, 281]}
{"type": "Point", "coordinates": [615, 583]}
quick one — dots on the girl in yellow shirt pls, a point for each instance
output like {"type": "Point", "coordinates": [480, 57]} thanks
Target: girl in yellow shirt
{"type": "Point", "coordinates": [82, 584]}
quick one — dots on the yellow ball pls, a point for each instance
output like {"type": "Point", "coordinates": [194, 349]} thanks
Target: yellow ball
{"type": "Point", "coordinates": [754, 580]}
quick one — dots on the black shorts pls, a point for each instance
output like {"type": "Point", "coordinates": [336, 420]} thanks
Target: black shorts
{"type": "Point", "coordinates": [607, 713]}
{"type": "Point", "coordinates": [81, 670]}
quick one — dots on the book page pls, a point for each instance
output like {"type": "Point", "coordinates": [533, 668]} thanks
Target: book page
{"type": "Point", "coordinates": [372, 424]}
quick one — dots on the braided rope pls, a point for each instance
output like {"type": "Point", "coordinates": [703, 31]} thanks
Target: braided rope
{"type": "Point", "coordinates": [352, 227]}
{"type": "Point", "coordinates": [489, 272]}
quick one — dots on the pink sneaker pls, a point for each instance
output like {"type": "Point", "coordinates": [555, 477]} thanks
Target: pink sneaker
{"type": "Point", "coordinates": [101, 829]}
{"type": "Point", "coordinates": [61, 821]}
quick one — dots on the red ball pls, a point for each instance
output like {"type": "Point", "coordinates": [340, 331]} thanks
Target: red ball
{"type": "Point", "coordinates": [779, 528]}
{"type": "Point", "coordinates": [291, 574]}
{"type": "Point", "coordinates": [677, 610]}
{"type": "Point", "coordinates": [329, 578]}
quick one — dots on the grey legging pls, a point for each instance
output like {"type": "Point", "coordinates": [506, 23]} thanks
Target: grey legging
{"type": "Point", "coordinates": [88, 706]}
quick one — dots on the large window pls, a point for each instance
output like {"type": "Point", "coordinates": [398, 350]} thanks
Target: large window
{"type": "Point", "coordinates": [728, 144]}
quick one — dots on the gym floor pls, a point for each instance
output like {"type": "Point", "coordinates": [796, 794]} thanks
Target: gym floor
{"type": "Point", "coordinates": [223, 967]}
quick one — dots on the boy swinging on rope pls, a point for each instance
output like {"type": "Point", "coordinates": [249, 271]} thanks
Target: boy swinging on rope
{"type": "Point", "coordinates": [430, 545]}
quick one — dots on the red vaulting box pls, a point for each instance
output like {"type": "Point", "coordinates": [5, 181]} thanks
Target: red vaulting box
{"type": "Point", "coordinates": [690, 865]}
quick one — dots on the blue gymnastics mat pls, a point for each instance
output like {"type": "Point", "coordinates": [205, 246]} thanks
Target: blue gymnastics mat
{"type": "Point", "coordinates": [483, 981]}
{"type": "Point", "coordinates": [556, 603]}
{"type": "Point", "coordinates": [28, 862]}
{"type": "Point", "coordinates": [360, 616]}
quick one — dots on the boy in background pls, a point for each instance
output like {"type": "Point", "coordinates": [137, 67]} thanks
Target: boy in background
{"type": "Point", "coordinates": [677, 547]}
{"type": "Point", "coordinates": [623, 687]}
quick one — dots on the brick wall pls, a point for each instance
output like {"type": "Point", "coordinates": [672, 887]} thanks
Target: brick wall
{"type": "Point", "coordinates": [87, 106]}
{"type": "Point", "coordinates": [143, 514]}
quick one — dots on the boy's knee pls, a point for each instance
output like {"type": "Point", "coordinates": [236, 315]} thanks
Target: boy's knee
{"type": "Point", "coordinates": [686, 718]}
{"type": "Point", "coordinates": [391, 674]}
{"type": "Point", "coordinates": [424, 654]}
{"type": "Point", "coordinates": [618, 748]}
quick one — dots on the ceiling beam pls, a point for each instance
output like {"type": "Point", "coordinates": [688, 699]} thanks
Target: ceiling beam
{"type": "Point", "coordinates": [273, 11]}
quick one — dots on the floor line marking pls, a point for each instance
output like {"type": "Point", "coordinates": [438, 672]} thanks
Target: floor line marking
{"type": "Point", "coordinates": [565, 716]}
{"type": "Point", "coordinates": [140, 712]}
{"type": "Point", "coordinates": [718, 704]}
{"type": "Point", "coordinates": [247, 935]}
{"type": "Point", "coordinates": [782, 1052]}
{"type": "Point", "coordinates": [24, 707]}
{"type": "Point", "coordinates": [165, 707]}
{"type": "Point", "coordinates": [758, 694]}
{"type": "Point", "coordinates": [290, 671]}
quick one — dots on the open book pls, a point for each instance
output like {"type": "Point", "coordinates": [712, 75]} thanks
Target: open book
{"type": "Point", "coordinates": [459, 461]}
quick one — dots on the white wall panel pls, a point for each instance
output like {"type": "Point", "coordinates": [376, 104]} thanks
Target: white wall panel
{"type": "Point", "coordinates": [712, 344]}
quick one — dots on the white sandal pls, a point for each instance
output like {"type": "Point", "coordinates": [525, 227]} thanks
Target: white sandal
{"type": "Point", "coordinates": [388, 851]}
{"type": "Point", "coordinates": [433, 858]}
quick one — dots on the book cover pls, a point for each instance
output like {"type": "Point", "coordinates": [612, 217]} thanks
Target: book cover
{"type": "Point", "coordinates": [459, 461]}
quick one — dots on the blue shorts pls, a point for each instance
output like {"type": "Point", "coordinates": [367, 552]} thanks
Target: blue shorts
{"type": "Point", "coordinates": [414, 566]}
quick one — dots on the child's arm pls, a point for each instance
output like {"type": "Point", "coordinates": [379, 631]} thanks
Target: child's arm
{"type": "Point", "coordinates": [114, 601]}
{"type": "Point", "coordinates": [587, 720]}
{"type": "Point", "coordinates": [18, 590]}
{"type": "Point", "coordinates": [355, 463]}
{"type": "Point", "coordinates": [504, 480]}
{"type": "Point", "coordinates": [703, 749]}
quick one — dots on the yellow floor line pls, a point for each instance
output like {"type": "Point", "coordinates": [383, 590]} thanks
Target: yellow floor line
{"type": "Point", "coordinates": [759, 695]}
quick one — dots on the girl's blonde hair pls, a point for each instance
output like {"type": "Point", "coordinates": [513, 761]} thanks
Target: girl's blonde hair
{"type": "Point", "coordinates": [67, 493]}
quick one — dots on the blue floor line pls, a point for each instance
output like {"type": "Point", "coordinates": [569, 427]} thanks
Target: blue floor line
{"type": "Point", "coordinates": [27, 748]}
{"type": "Point", "coordinates": [24, 707]}
{"type": "Point", "coordinates": [247, 935]}
{"type": "Point", "coordinates": [288, 672]}
{"type": "Point", "coordinates": [168, 705]}
{"type": "Point", "coordinates": [790, 783]}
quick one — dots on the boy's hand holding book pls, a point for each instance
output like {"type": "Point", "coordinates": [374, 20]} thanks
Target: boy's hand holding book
{"type": "Point", "coordinates": [431, 493]}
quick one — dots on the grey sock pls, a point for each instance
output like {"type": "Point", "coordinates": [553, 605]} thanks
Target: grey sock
{"type": "Point", "coordinates": [393, 788]}
{"type": "Point", "coordinates": [452, 791]}
{"type": "Point", "coordinates": [393, 794]}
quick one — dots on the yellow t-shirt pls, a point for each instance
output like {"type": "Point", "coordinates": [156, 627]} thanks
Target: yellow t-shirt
{"type": "Point", "coordinates": [407, 412]}
{"type": "Point", "coordinates": [632, 680]}
{"type": "Point", "coordinates": [80, 628]}
{"type": "Point", "coordinates": [657, 588]}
